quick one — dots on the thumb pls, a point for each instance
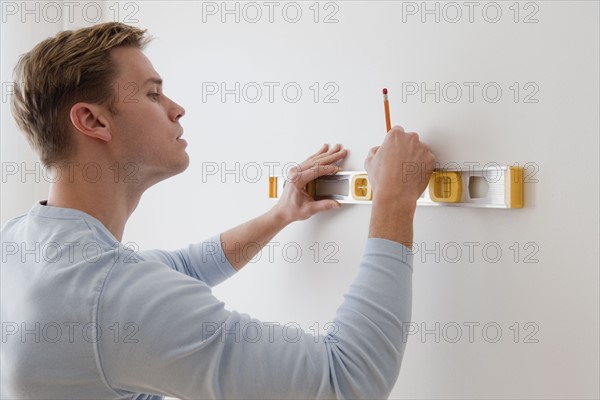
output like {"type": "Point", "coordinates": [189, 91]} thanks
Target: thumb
{"type": "Point", "coordinates": [332, 204]}
{"type": "Point", "coordinates": [323, 205]}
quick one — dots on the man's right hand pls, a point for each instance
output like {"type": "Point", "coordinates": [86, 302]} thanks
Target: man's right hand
{"type": "Point", "coordinates": [399, 171]}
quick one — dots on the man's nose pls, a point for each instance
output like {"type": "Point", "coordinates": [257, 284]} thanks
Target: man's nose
{"type": "Point", "coordinates": [177, 111]}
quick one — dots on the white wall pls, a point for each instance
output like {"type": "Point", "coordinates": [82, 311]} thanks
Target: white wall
{"type": "Point", "coordinates": [371, 47]}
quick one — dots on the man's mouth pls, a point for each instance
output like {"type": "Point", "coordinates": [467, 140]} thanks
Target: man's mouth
{"type": "Point", "coordinates": [179, 137]}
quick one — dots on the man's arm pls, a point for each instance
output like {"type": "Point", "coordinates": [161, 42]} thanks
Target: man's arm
{"type": "Point", "coordinates": [394, 202]}
{"type": "Point", "coordinates": [399, 171]}
{"type": "Point", "coordinates": [218, 258]}
{"type": "Point", "coordinates": [179, 340]}
{"type": "Point", "coordinates": [243, 242]}
{"type": "Point", "coordinates": [188, 345]}
{"type": "Point", "coordinates": [204, 260]}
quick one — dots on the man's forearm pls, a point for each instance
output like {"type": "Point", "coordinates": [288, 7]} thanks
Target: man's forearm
{"type": "Point", "coordinates": [392, 220]}
{"type": "Point", "coordinates": [243, 242]}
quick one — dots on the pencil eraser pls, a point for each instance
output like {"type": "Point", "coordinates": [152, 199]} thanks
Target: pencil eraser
{"type": "Point", "coordinates": [384, 90]}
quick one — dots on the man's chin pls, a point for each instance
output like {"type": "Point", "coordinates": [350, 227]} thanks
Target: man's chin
{"type": "Point", "coordinates": [183, 164]}
{"type": "Point", "coordinates": [158, 173]}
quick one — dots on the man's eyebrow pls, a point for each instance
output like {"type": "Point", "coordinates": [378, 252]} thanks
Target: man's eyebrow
{"type": "Point", "coordinates": [158, 81]}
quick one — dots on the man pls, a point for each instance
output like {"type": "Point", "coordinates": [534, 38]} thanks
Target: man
{"type": "Point", "coordinates": [121, 325]}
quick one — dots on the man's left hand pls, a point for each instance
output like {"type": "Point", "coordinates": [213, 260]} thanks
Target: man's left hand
{"type": "Point", "coordinates": [295, 204]}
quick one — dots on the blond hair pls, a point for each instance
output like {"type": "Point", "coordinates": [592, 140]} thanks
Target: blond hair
{"type": "Point", "coordinates": [74, 66]}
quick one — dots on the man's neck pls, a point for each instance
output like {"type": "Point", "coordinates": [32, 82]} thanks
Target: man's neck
{"type": "Point", "coordinates": [110, 203]}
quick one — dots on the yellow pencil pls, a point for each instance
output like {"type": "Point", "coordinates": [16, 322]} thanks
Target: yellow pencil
{"type": "Point", "coordinates": [386, 106]}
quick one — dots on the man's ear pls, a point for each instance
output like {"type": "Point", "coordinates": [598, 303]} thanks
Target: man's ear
{"type": "Point", "coordinates": [90, 119]}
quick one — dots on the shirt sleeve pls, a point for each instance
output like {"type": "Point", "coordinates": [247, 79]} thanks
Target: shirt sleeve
{"type": "Point", "coordinates": [205, 261]}
{"type": "Point", "coordinates": [188, 345]}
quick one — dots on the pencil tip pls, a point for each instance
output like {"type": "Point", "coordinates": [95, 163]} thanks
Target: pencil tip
{"type": "Point", "coordinates": [384, 90]}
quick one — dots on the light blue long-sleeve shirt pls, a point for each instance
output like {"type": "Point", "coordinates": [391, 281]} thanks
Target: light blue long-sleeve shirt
{"type": "Point", "coordinates": [83, 317]}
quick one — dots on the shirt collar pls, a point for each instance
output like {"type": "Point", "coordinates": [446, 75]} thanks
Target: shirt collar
{"type": "Point", "coordinates": [41, 208]}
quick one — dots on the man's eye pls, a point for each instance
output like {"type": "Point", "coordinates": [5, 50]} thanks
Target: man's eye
{"type": "Point", "coordinates": [154, 95]}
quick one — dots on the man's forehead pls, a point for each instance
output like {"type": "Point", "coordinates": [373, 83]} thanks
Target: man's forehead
{"type": "Point", "coordinates": [133, 65]}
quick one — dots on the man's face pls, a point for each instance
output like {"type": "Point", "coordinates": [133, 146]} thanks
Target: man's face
{"type": "Point", "coordinates": [146, 126]}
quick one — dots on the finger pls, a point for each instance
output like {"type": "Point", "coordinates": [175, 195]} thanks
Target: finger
{"type": "Point", "coordinates": [331, 158]}
{"type": "Point", "coordinates": [308, 162]}
{"type": "Point", "coordinates": [322, 205]}
{"type": "Point", "coordinates": [335, 149]}
{"type": "Point", "coordinates": [324, 159]}
{"type": "Point", "coordinates": [413, 135]}
{"type": "Point", "coordinates": [315, 172]}
{"type": "Point", "coordinates": [394, 134]}
{"type": "Point", "coordinates": [431, 161]}
{"type": "Point", "coordinates": [322, 150]}
{"type": "Point", "coordinates": [372, 151]}
{"type": "Point", "coordinates": [370, 156]}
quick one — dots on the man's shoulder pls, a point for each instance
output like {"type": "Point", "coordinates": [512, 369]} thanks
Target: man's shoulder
{"type": "Point", "coordinates": [67, 249]}
{"type": "Point", "coordinates": [33, 242]}
{"type": "Point", "coordinates": [10, 224]}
